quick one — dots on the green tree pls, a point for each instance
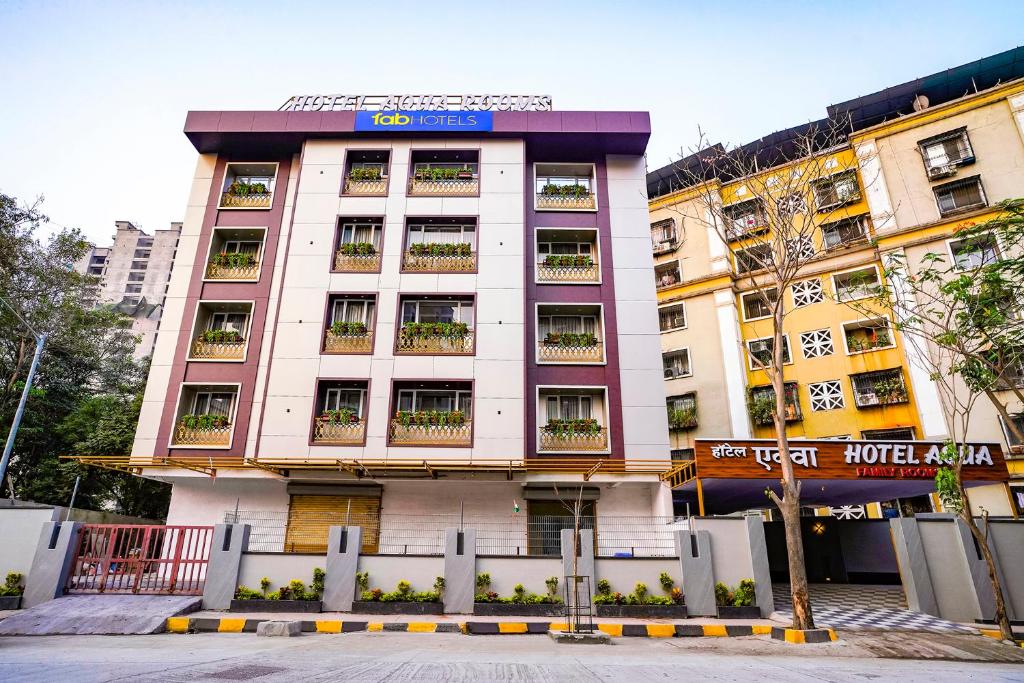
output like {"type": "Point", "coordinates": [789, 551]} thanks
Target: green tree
{"type": "Point", "coordinates": [85, 394]}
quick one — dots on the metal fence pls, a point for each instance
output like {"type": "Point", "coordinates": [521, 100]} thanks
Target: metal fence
{"type": "Point", "coordinates": [400, 534]}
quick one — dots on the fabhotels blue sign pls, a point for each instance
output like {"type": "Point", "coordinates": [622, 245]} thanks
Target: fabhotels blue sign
{"type": "Point", "coordinates": [401, 121]}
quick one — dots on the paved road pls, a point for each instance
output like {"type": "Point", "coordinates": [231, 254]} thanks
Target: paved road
{"type": "Point", "coordinates": [455, 657]}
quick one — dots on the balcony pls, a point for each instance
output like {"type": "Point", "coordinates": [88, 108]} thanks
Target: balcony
{"type": "Point", "coordinates": [744, 219]}
{"type": "Point", "coordinates": [332, 430]}
{"type": "Point", "coordinates": [565, 187]}
{"type": "Point", "coordinates": [348, 337]}
{"type": "Point", "coordinates": [431, 428]}
{"type": "Point", "coordinates": [350, 323]}
{"type": "Point", "coordinates": [682, 412]}
{"type": "Point", "coordinates": [762, 405]}
{"type": "Point", "coordinates": [881, 388]}
{"type": "Point", "coordinates": [567, 256]}
{"type": "Point", "coordinates": [667, 275]}
{"type": "Point", "coordinates": [235, 255]}
{"type": "Point", "coordinates": [435, 338]}
{"type": "Point", "coordinates": [867, 335]}
{"type": "Point", "coordinates": [341, 420]}
{"type": "Point", "coordinates": [248, 186]}
{"type": "Point", "coordinates": [366, 173]}
{"type": "Point", "coordinates": [569, 334]}
{"type": "Point", "coordinates": [357, 246]}
{"type": "Point", "coordinates": [446, 173]}
{"type": "Point", "coordinates": [205, 415]}
{"type": "Point", "coordinates": [663, 236]}
{"type": "Point", "coordinates": [440, 245]}
{"type": "Point", "coordinates": [579, 435]}
{"type": "Point", "coordinates": [202, 430]}
{"type": "Point", "coordinates": [222, 328]}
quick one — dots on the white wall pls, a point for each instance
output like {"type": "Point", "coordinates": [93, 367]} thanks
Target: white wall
{"type": "Point", "coordinates": [624, 573]}
{"type": "Point", "coordinates": [387, 570]}
{"type": "Point", "coordinates": [19, 531]}
{"type": "Point", "coordinates": [532, 572]}
{"type": "Point", "coordinates": [279, 568]}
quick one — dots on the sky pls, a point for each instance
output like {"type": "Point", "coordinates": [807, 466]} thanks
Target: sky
{"type": "Point", "coordinates": [97, 92]}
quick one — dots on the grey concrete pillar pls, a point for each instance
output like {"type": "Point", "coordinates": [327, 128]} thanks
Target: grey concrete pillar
{"type": "Point", "coordinates": [584, 562]}
{"type": "Point", "coordinates": [55, 554]}
{"type": "Point", "coordinates": [343, 546]}
{"type": "Point", "coordinates": [229, 542]}
{"type": "Point", "coordinates": [694, 551]}
{"type": "Point", "coordinates": [978, 569]}
{"type": "Point", "coordinates": [913, 564]}
{"type": "Point", "coordinates": [459, 570]}
{"type": "Point", "coordinates": [759, 563]}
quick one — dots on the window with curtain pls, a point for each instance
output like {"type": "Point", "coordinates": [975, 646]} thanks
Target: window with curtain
{"type": "Point", "coordinates": [212, 403]}
{"type": "Point", "coordinates": [352, 311]}
{"type": "Point", "coordinates": [337, 398]}
{"type": "Point", "coordinates": [437, 312]}
{"type": "Point", "coordinates": [571, 324]}
{"type": "Point", "coordinates": [240, 247]}
{"type": "Point", "coordinates": [569, 407]}
{"type": "Point", "coordinates": [442, 234]}
{"type": "Point", "coordinates": [428, 399]}
{"type": "Point", "coordinates": [228, 321]}
{"type": "Point", "coordinates": [361, 232]}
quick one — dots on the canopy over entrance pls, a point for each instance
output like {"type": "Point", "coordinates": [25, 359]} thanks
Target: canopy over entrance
{"type": "Point", "coordinates": [731, 476]}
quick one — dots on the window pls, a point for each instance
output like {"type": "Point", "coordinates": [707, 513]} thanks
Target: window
{"type": "Point", "coordinates": [763, 403]}
{"type": "Point", "coordinates": [1016, 445]}
{"type": "Point", "coordinates": [141, 253]}
{"type": "Point", "coordinates": [881, 388]}
{"type": "Point", "coordinates": [240, 247]}
{"type": "Point", "coordinates": [352, 311]}
{"type": "Point", "coordinates": [212, 403]}
{"type": "Point", "coordinates": [843, 232]}
{"type": "Point", "coordinates": [760, 352]}
{"type": "Point", "coordinates": [943, 153]}
{"type": "Point", "coordinates": [442, 234]}
{"type": "Point", "coordinates": [437, 311]}
{"type": "Point", "coordinates": [971, 253]}
{"type": "Point", "coordinates": [684, 402]}
{"type": "Point", "coordinates": [234, 322]}
{"type": "Point", "coordinates": [757, 305]}
{"type": "Point", "coordinates": [336, 398]}
{"type": "Point", "coordinates": [800, 249]}
{"type": "Point", "coordinates": [960, 195]}
{"type": "Point", "coordinates": [357, 232]}
{"type": "Point", "coordinates": [676, 364]}
{"type": "Point", "coordinates": [96, 270]}
{"type": "Point", "coordinates": [743, 218]}
{"type": "Point", "coordinates": [897, 434]}
{"type": "Point", "coordinates": [754, 258]}
{"type": "Point", "coordinates": [133, 289]}
{"type": "Point", "coordinates": [559, 248]}
{"type": "Point", "coordinates": [856, 284]}
{"type": "Point", "coordinates": [836, 190]}
{"type": "Point", "coordinates": [682, 411]}
{"type": "Point", "coordinates": [139, 265]}
{"type": "Point", "coordinates": [667, 274]}
{"type": "Point", "coordinates": [144, 242]}
{"type": "Point", "coordinates": [569, 408]}
{"type": "Point", "coordinates": [663, 235]}
{"type": "Point", "coordinates": [807, 292]}
{"type": "Point", "coordinates": [867, 335]}
{"type": "Point", "coordinates": [826, 395]}
{"type": "Point", "coordinates": [569, 324]}
{"type": "Point", "coordinates": [97, 260]}
{"type": "Point", "coordinates": [136, 277]}
{"type": "Point", "coordinates": [816, 343]}
{"type": "Point", "coordinates": [672, 317]}
{"type": "Point", "coordinates": [791, 204]}
{"type": "Point", "coordinates": [443, 401]}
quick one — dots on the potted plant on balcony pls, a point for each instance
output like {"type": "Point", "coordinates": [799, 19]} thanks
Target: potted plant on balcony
{"type": "Point", "coordinates": [424, 330]}
{"type": "Point", "coordinates": [737, 603]}
{"type": "Point", "coordinates": [577, 339]}
{"type": "Point", "coordinates": [683, 418]}
{"type": "Point", "coordinates": [640, 604]}
{"type": "Point", "coordinates": [291, 598]}
{"type": "Point", "coordinates": [220, 336]}
{"type": "Point", "coordinates": [357, 249]}
{"type": "Point", "coordinates": [11, 591]}
{"type": "Point", "coordinates": [890, 390]}
{"type": "Point", "coordinates": [581, 426]}
{"type": "Point", "coordinates": [431, 418]}
{"type": "Point", "coordinates": [402, 600]}
{"type": "Point", "coordinates": [341, 416]}
{"type": "Point", "coordinates": [204, 421]}
{"type": "Point", "coordinates": [761, 409]}
{"type": "Point", "coordinates": [521, 603]}
{"type": "Point", "coordinates": [342, 328]}
{"type": "Point", "coordinates": [233, 259]}
{"type": "Point", "coordinates": [465, 174]}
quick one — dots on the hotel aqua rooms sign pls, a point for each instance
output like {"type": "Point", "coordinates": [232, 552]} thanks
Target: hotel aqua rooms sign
{"type": "Point", "coordinates": [829, 459]}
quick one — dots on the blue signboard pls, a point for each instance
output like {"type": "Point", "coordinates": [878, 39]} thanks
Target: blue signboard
{"type": "Point", "coordinates": [402, 121]}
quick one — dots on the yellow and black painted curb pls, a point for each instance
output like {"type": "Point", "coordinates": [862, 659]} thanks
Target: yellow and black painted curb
{"type": "Point", "coordinates": [798, 636]}
{"type": "Point", "coordinates": [479, 628]}
{"type": "Point", "coordinates": [995, 633]}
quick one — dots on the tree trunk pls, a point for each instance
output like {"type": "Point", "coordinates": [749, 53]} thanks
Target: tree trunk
{"type": "Point", "coordinates": [997, 587]}
{"type": "Point", "coordinates": [1001, 409]}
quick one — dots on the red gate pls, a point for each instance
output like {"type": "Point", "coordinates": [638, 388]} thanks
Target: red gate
{"type": "Point", "coordinates": [153, 560]}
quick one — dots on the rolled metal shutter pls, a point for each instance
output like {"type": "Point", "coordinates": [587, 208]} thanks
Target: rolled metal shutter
{"type": "Point", "coordinates": [310, 518]}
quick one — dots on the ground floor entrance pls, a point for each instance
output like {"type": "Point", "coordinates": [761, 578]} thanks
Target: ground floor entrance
{"type": "Point", "coordinates": [837, 551]}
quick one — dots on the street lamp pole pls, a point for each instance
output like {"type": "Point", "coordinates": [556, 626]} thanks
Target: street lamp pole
{"type": "Point", "coordinates": [40, 341]}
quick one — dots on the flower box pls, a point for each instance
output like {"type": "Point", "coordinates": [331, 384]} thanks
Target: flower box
{"type": "Point", "coordinates": [8, 602]}
{"type": "Point", "coordinates": [642, 611]}
{"type": "Point", "coordinates": [732, 612]}
{"type": "Point", "coordinates": [505, 609]}
{"type": "Point", "coordinates": [379, 607]}
{"type": "Point", "coordinates": [303, 606]}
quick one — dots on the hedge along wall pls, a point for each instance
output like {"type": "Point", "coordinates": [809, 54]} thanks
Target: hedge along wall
{"type": "Point", "coordinates": [387, 570]}
{"type": "Point", "coordinates": [532, 572]}
{"type": "Point", "coordinates": [624, 573]}
{"type": "Point", "coordinates": [280, 568]}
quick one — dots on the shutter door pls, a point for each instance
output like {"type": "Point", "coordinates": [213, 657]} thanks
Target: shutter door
{"type": "Point", "coordinates": [310, 518]}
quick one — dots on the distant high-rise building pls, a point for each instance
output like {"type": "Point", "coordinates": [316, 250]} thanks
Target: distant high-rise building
{"type": "Point", "coordinates": [133, 275]}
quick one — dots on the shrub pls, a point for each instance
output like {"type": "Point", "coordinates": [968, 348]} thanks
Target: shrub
{"type": "Point", "coordinates": [552, 583]}
{"type": "Point", "coordinates": [722, 595]}
{"type": "Point", "coordinates": [244, 593]}
{"type": "Point", "coordinates": [12, 584]}
{"type": "Point", "coordinates": [274, 595]}
{"type": "Point", "coordinates": [319, 576]}
{"type": "Point", "coordinates": [744, 595]}
{"type": "Point", "coordinates": [363, 581]}
{"type": "Point", "coordinates": [439, 585]}
{"type": "Point", "coordinates": [615, 598]}
{"type": "Point", "coordinates": [483, 582]}
{"type": "Point", "coordinates": [640, 591]}
{"type": "Point", "coordinates": [265, 584]}
{"type": "Point", "coordinates": [677, 596]}
{"type": "Point", "coordinates": [285, 593]}
{"type": "Point", "coordinates": [604, 587]}
{"type": "Point", "coordinates": [667, 584]}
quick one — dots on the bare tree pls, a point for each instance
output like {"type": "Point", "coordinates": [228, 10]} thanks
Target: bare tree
{"type": "Point", "coordinates": [574, 508]}
{"type": "Point", "coordinates": [767, 218]}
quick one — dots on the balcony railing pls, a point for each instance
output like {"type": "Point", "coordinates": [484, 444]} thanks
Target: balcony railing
{"type": "Point", "coordinates": [568, 268]}
{"type": "Point", "coordinates": [879, 389]}
{"type": "Point", "coordinates": [332, 433]}
{"type": "Point", "coordinates": [347, 262]}
{"type": "Point", "coordinates": [666, 282]}
{"type": "Point", "coordinates": [431, 434]}
{"type": "Point", "coordinates": [553, 351]}
{"type": "Point", "coordinates": [202, 436]}
{"type": "Point", "coordinates": [229, 200]}
{"type": "Point", "coordinates": [570, 202]}
{"type": "Point", "coordinates": [364, 186]}
{"type": "Point", "coordinates": [410, 340]}
{"type": "Point", "coordinates": [447, 187]}
{"type": "Point", "coordinates": [455, 261]}
{"type": "Point", "coordinates": [682, 419]}
{"type": "Point", "coordinates": [218, 350]}
{"type": "Point", "coordinates": [558, 440]}
{"type": "Point", "coordinates": [348, 343]}
{"type": "Point", "coordinates": [216, 270]}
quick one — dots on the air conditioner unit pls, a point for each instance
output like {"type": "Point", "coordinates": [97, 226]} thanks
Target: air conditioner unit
{"type": "Point", "coordinates": [943, 171]}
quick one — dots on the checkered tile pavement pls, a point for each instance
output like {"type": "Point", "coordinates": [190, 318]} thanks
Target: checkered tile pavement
{"type": "Point", "coordinates": [862, 607]}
